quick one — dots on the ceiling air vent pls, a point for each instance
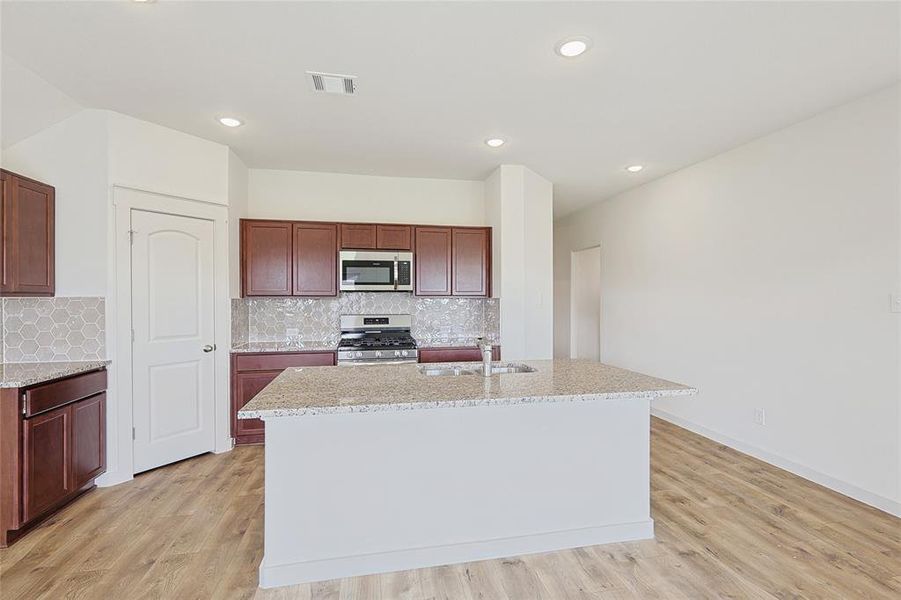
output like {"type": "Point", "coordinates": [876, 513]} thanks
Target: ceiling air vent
{"type": "Point", "coordinates": [331, 83]}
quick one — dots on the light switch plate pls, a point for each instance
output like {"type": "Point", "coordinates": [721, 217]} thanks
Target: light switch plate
{"type": "Point", "coordinates": [760, 416]}
{"type": "Point", "coordinates": [896, 302]}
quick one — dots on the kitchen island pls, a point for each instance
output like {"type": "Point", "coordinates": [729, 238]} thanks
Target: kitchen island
{"type": "Point", "coordinates": [392, 467]}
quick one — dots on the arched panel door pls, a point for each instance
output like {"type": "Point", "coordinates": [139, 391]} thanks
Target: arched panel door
{"type": "Point", "coordinates": [172, 316]}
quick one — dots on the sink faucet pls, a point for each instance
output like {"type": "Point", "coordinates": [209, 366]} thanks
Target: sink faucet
{"type": "Point", "coordinates": [485, 347]}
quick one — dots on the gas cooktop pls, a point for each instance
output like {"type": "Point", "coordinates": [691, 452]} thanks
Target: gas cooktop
{"type": "Point", "coordinates": [376, 339]}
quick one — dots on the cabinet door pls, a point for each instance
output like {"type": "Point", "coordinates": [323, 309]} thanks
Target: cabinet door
{"type": "Point", "coordinates": [471, 262]}
{"type": "Point", "coordinates": [28, 237]}
{"type": "Point", "coordinates": [88, 439]}
{"type": "Point", "coordinates": [394, 237]}
{"type": "Point", "coordinates": [248, 385]}
{"type": "Point", "coordinates": [266, 258]}
{"type": "Point", "coordinates": [315, 259]}
{"type": "Point", "coordinates": [46, 441]}
{"type": "Point", "coordinates": [355, 236]}
{"type": "Point", "coordinates": [432, 261]}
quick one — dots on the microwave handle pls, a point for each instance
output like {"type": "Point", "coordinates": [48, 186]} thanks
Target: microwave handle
{"type": "Point", "coordinates": [396, 271]}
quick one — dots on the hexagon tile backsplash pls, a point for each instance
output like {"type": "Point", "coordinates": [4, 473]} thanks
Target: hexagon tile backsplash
{"type": "Point", "coordinates": [435, 320]}
{"type": "Point", "coordinates": [53, 329]}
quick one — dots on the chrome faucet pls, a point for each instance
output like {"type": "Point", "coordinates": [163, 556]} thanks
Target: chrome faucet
{"type": "Point", "coordinates": [485, 347]}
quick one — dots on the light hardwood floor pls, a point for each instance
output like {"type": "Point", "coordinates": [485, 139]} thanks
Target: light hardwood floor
{"type": "Point", "coordinates": [728, 526]}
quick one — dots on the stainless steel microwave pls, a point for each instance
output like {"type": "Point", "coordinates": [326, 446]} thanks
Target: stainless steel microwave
{"type": "Point", "coordinates": [375, 271]}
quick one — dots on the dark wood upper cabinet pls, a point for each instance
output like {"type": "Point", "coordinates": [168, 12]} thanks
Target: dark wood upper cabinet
{"type": "Point", "coordinates": [356, 236]}
{"type": "Point", "coordinates": [362, 236]}
{"type": "Point", "coordinates": [300, 258]}
{"type": "Point", "coordinates": [267, 253]}
{"type": "Point", "coordinates": [27, 213]}
{"type": "Point", "coordinates": [453, 261]}
{"type": "Point", "coordinates": [315, 259]}
{"type": "Point", "coordinates": [432, 261]}
{"type": "Point", "coordinates": [471, 261]}
{"type": "Point", "coordinates": [394, 237]}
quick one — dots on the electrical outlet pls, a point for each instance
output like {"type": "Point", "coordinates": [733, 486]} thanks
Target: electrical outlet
{"type": "Point", "coordinates": [760, 416]}
{"type": "Point", "coordinates": [292, 331]}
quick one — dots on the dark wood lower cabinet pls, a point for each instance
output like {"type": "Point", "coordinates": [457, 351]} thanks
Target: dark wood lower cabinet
{"type": "Point", "coordinates": [251, 372]}
{"type": "Point", "coordinates": [49, 456]}
{"type": "Point", "coordinates": [88, 439]}
{"type": "Point", "coordinates": [47, 461]}
{"type": "Point", "coordinates": [456, 354]}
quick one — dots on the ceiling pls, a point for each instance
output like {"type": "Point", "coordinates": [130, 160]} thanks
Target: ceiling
{"type": "Point", "coordinates": [664, 85]}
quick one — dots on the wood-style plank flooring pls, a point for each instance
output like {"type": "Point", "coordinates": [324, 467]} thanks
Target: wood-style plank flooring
{"type": "Point", "coordinates": [728, 526]}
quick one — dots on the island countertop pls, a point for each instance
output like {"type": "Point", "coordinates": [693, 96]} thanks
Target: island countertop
{"type": "Point", "coordinates": [351, 389]}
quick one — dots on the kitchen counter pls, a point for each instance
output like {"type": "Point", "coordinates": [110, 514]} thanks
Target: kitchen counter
{"type": "Point", "coordinates": [17, 375]}
{"type": "Point", "coordinates": [286, 346]}
{"type": "Point", "coordinates": [304, 391]}
{"type": "Point", "coordinates": [513, 464]}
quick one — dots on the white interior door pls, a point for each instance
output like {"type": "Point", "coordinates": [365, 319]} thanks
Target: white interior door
{"type": "Point", "coordinates": [173, 364]}
{"type": "Point", "coordinates": [585, 329]}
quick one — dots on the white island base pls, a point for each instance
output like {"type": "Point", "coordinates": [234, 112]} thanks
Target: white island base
{"type": "Point", "coordinates": [371, 492]}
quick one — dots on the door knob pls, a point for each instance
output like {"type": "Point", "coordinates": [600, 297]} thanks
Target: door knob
{"type": "Point", "coordinates": [209, 348]}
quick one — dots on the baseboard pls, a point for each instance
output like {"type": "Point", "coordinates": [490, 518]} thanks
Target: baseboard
{"type": "Point", "coordinates": [417, 558]}
{"type": "Point", "coordinates": [884, 504]}
{"type": "Point", "coordinates": [111, 478]}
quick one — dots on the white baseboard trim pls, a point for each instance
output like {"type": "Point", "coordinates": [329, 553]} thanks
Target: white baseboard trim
{"type": "Point", "coordinates": [111, 478]}
{"type": "Point", "coordinates": [842, 487]}
{"type": "Point", "coordinates": [417, 558]}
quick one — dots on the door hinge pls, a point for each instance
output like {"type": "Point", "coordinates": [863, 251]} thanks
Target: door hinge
{"type": "Point", "coordinates": [132, 336]}
{"type": "Point", "coordinates": [133, 436]}
{"type": "Point", "coordinates": [131, 236]}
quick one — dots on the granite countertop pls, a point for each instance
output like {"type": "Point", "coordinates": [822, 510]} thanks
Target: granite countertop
{"type": "Point", "coordinates": [286, 346]}
{"type": "Point", "coordinates": [16, 375]}
{"type": "Point", "coordinates": [350, 389]}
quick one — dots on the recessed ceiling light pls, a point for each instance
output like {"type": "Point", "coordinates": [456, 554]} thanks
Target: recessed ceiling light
{"type": "Point", "coordinates": [634, 168]}
{"type": "Point", "coordinates": [572, 47]}
{"type": "Point", "coordinates": [495, 142]}
{"type": "Point", "coordinates": [231, 121]}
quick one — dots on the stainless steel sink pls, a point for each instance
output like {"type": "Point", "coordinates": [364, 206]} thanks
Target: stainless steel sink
{"type": "Point", "coordinates": [504, 369]}
{"type": "Point", "coordinates": [473, 369]}
{"type": "Point", "coordinates": [447, 371]}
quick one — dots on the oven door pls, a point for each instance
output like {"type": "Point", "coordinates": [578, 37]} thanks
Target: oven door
{"type": "Point", "coordinates": [367, 271]}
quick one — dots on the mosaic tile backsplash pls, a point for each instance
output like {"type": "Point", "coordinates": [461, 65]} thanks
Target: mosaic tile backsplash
{"type": "Point", "coordinates": [53, 329]}
{"type": "Point", "coordinates": [435, 320]}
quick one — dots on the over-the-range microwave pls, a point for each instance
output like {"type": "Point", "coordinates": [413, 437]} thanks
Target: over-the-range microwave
{"type": "Point", "coordinates": [375, 271]}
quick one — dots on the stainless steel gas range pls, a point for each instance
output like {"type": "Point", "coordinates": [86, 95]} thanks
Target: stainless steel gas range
{"type": "Point", "coordinates": [376, 340]}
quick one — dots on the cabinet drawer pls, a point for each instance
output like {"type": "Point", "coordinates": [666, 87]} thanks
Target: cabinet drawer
{"type": "Point", "coordinates": [48, 396]}
{"type": "Point", "coordinates": [283, 360]}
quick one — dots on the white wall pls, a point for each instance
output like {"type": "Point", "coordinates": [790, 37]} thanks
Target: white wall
{"type": "Point", "coordinates": [28, 103]}
{"type": "Point", "coordinates": [72, 156]}
{"type": "Point", "coordinates": [338, 197]}
{"type": "Point", "coordinates": [762, 276]}
{"type": "Point", "coordinates": [151, 157]}
{"type": "Point", "coordinates": [518, 206]}
{"type": "Point", "coordinates": [84, 156]}
{"type": "Point", "coordinates": [237, 209]}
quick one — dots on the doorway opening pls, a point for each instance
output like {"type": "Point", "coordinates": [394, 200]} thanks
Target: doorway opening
{"type": "Point", "coordinates": [585, 304]}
